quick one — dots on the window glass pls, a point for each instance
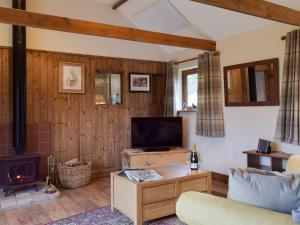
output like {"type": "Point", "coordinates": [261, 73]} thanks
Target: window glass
{"type": "Point", "coordinates": [192, 89]}
{"type": "Point", "coordinates": [189, 88]}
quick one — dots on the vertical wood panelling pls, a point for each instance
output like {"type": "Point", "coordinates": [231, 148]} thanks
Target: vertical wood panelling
{"type": "Point", "coordinates": [79, 128]}
{"type": "Point", "coordinates": [6, 81]}
{"type": "Point", "coordinates": [3, 105]}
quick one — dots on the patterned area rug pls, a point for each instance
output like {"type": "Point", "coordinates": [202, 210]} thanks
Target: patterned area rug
{"type": "Point", "coordinates": [104, 216]}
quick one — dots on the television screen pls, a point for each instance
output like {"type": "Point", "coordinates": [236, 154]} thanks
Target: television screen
{"type": "Point", "coordinates": [156, 132]}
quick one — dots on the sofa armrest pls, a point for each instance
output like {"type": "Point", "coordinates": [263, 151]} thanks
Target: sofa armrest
{"type": "Point", "coordinates": [194, 208]}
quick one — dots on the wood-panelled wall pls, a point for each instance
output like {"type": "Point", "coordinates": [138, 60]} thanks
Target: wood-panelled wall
{"type": "Point", "coordinates": [5, 85]}
{"type": "Point", "coordinates": [79, 128]}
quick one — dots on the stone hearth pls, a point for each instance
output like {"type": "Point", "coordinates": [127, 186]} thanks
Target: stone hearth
{"type": "Point", "coordinates": [26, 198]}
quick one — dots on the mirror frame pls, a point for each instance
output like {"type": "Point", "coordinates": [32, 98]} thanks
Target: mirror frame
{"type": "Point", "coordinates": [122, 84]}
{"type": "Point", "coordinates": [275, 102]}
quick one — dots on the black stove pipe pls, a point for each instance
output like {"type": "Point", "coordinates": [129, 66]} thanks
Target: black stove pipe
{"type": "Point", "coordinates": [19, 82]}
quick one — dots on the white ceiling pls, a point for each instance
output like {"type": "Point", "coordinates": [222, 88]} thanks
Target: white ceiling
{"type": "Point", "coordinates": [294, 4]}
{"type": "Point", "coordinates": [169, 20]}
{"type": "Point", "coordinates": [203, 21]}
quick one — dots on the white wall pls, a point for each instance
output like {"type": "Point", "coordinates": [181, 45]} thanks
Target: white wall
{"type": "Point", "coordinates": [243, 125]}
{"type": "Point", "coordinates": [5, 30]}
{"type": "Point", "coordinates": [76, 43]}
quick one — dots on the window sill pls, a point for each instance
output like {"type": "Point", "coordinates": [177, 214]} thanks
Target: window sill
{"type": "Point", "coordinates": [186, 110]}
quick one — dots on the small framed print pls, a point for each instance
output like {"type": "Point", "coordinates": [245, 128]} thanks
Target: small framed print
{"type": "Point", "coordinates": [71, 77]}
{"type": "Point", "coordinates": [139, 82]}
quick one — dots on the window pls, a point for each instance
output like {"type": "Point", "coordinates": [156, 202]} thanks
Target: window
{"type": "Point", "coordinates": [190, 87]}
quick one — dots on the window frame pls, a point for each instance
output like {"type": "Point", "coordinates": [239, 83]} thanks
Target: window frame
{"type": "Point", "coordinates": [275, 101]}
{"type": "Point", "coordinates": [185, 74]}
{"type": "Point", "coordinates": [109, 73]}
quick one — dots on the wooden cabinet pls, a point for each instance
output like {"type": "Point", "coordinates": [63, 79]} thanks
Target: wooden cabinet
{"type": "Point", "coordinates": [277, 158]}
{"type": "Point", "coordinates": [134, 160]}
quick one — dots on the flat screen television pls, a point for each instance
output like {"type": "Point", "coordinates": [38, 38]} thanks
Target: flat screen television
{"type": "Point", "coordinates": [156, 133]}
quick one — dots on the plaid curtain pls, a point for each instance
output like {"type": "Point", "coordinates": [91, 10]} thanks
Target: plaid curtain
{"type": "Point", "coordinates": [209, 117]}
{"type": "Point", "coordinates": [288, 121]}
{"type": "Point", "coordinates": [169, 94]}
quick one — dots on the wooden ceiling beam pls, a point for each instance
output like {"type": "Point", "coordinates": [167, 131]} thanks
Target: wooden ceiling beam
{"type": "Point", "coordinates": [43, 21]}
{"type": "Point", "coordinates": [118, 4]}
{"type": "Point", "coordinates": [258, 8]}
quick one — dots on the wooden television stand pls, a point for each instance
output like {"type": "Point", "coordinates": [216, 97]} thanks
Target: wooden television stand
{"type": "Point", "coordinates": [134, 160]}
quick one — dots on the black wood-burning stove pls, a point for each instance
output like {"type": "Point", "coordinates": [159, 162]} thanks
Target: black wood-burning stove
{"type": "Point", "coordinates": [17, 172]}
{"type": "Point", "coordinates": [21, 170]}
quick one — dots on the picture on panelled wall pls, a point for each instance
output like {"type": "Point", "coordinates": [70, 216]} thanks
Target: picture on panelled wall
{"type": "Point", "coordinates": [139, 82]}
{"type": "Point", "coordinates": [71, 77]}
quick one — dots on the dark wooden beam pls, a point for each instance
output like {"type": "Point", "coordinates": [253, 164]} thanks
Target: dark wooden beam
{"type": "Point", "coordinates": [119, 3]}
{"type": "Point", "coordinates": [258, 8]}
{"type": "Point", "coordinates": [43, 21]}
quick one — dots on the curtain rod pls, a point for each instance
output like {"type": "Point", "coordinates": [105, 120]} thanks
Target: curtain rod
{"type": "Point", "coordinates": [187, 60]}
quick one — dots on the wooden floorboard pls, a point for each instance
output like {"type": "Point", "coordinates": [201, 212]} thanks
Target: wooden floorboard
{"type": "Point", "coordinates": [72, 202]}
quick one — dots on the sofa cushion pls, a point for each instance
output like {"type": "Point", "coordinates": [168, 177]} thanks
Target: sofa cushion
{"type": "Point", "coordinates": [194, 208]}
{"type": "Point", "coordinates": [264, 172]}
{"type": "Point", "coordinates": [275, 192]}
{"type": "Point", "coordinates": [293, 164]}
{"type": "Point", "coordinates": [295, 175]}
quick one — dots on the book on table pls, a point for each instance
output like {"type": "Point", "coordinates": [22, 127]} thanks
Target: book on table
{"type": "Point", "coordinates": [142, 175]}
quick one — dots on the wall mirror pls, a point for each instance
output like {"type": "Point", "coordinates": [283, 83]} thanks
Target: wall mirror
{"type": "Point", "coordinates": [108, 88]}
{"type": "Point", "coordinates": [252, 84]}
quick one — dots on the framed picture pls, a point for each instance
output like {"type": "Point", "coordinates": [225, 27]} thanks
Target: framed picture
{"type": "Point", "coordinates": [139, 82]}
{"type": "Point", "coordinates": [71, 77]}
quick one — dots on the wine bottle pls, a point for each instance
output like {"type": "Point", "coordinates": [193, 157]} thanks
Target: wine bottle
{"type": "Point", "coordinates": [194, 158]}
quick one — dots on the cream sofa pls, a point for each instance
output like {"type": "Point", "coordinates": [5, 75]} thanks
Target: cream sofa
{"type": "Point", "coordinates": [194, 208]}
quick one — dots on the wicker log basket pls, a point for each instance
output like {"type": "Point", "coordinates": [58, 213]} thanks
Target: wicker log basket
{"type": "Point", "coordinates": [74, 176]}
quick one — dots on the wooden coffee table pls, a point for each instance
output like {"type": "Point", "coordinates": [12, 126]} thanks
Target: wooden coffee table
{"type": "Point", "coordinates": [155, 199]}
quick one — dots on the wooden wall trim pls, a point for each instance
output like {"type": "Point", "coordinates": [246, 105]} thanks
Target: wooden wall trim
{"type": "Point", "coordinates": [258, 8]}
{"type": "Point", "coordinates": [86, 55]}
{"type": "Point", "coordinates": [5, 47]}
{"type": "Point", "coordinates": [58, 23]}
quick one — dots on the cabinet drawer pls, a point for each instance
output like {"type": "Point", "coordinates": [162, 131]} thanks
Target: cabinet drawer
{"type": "Point", "coordinates": [158, 159]}
{"type": "Point", "coordinates": [157, 210]}
{"type": "Point", "coordinates": [158, 193]}
{"type": "Point", "coordinates": [198, 184]}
